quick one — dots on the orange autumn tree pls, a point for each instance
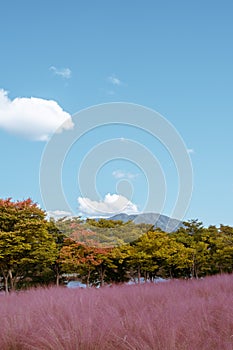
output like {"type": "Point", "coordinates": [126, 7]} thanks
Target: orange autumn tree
{"type": "Point", "coordinates": [84, 260]}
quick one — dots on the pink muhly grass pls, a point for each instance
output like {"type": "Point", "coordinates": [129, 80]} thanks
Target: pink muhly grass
{"type": "Point", "coordinates": [182, 315]}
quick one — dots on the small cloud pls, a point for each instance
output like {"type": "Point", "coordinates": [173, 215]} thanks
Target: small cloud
{"type": "Point", "coordinates": [190, 151]}
{"type": "Point", "coordinates": [114, 80]}
{"type": "Point", "coordinates": [33, 118]}
{"type": "Point", "coordinates": [62, 72]}
{"type": "Point", "coordinates": [111, 204]}
{"type": "Point", "coordinates": [122, 139]}
{"type": "Point", "coordinates": [58, 214]}
{"type": "Point", "coordinates": [120, 174]}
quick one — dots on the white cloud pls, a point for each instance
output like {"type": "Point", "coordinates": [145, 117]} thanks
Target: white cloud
{"type": "Point", "coordinates": [122, 139]}
{"type": "Point", "coordinates": [120, 174]}
{"type": "Point", "coordinates": [190, 151]}
{"type": "Point", "coordinates": [33, 118]}
{"type": "Point", "coordinates": [58, 214]}
{"type": "Point", "coordinates": [114, 80]}
{"type": "Point", "coordinates": [111, 204]}
{"type": "Point", "coordinates": [62, 72]}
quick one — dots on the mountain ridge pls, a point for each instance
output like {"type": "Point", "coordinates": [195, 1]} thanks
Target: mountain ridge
{"type": "Point", "coordinates": [163, 222]}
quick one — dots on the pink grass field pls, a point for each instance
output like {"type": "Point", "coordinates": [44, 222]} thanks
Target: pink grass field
{"type": "Point", "coordinates": [194, 314]}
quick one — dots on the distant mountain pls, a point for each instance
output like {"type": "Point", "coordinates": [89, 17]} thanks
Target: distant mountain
{"type": "Point", "coordinates": [165, 223]}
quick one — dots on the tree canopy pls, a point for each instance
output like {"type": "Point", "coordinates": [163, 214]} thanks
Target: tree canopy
{"type": "Point", "coordinates": [25, 242]}
{"type": "Point", "coordinates": [37, 250]}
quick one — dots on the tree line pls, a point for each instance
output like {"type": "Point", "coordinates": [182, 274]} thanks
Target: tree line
{"type": "Point", "coordinates": [35, 250]}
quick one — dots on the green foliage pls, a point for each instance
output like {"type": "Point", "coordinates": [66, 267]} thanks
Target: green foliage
{"type": "Point", "coordinates": [25, 243]}
{"type": "Point", "coordinates": [35, 251]}
{"type": "Point", "coordinates": [104, 233]}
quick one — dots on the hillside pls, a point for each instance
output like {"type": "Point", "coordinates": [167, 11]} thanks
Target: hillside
{"type": "Point", "coordinates": [116, 230]}
{"type": "Point", "coordinates": [163, 222]}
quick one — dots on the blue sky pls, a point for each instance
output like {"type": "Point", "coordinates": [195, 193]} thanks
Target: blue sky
{"type": "Point", "coordinates": [175, 57]}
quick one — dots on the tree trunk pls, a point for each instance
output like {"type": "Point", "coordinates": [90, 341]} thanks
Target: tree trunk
{"type": "Point", "coordinates": [12, 284]}
{"type": "Point", "coordinates": [193, 267]}
{"type": "Point", "coordinates": [6, 283]}
{"type": "Point", "coordinates": [88, 278]}
{"type": "Point", "coordinates": [57, 279]}
{"type": "Point", "coordinates": [139, 274]}
{"type": "Point", "coordinates": [102, 272]}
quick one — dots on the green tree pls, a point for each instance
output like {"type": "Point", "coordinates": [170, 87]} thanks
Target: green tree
{"type": "Point", "coordinates": [221, 241]}
{"type": "Point", "coordinates": [59, 238]}
{"type": "Point", "coordinates": [25, 243]}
